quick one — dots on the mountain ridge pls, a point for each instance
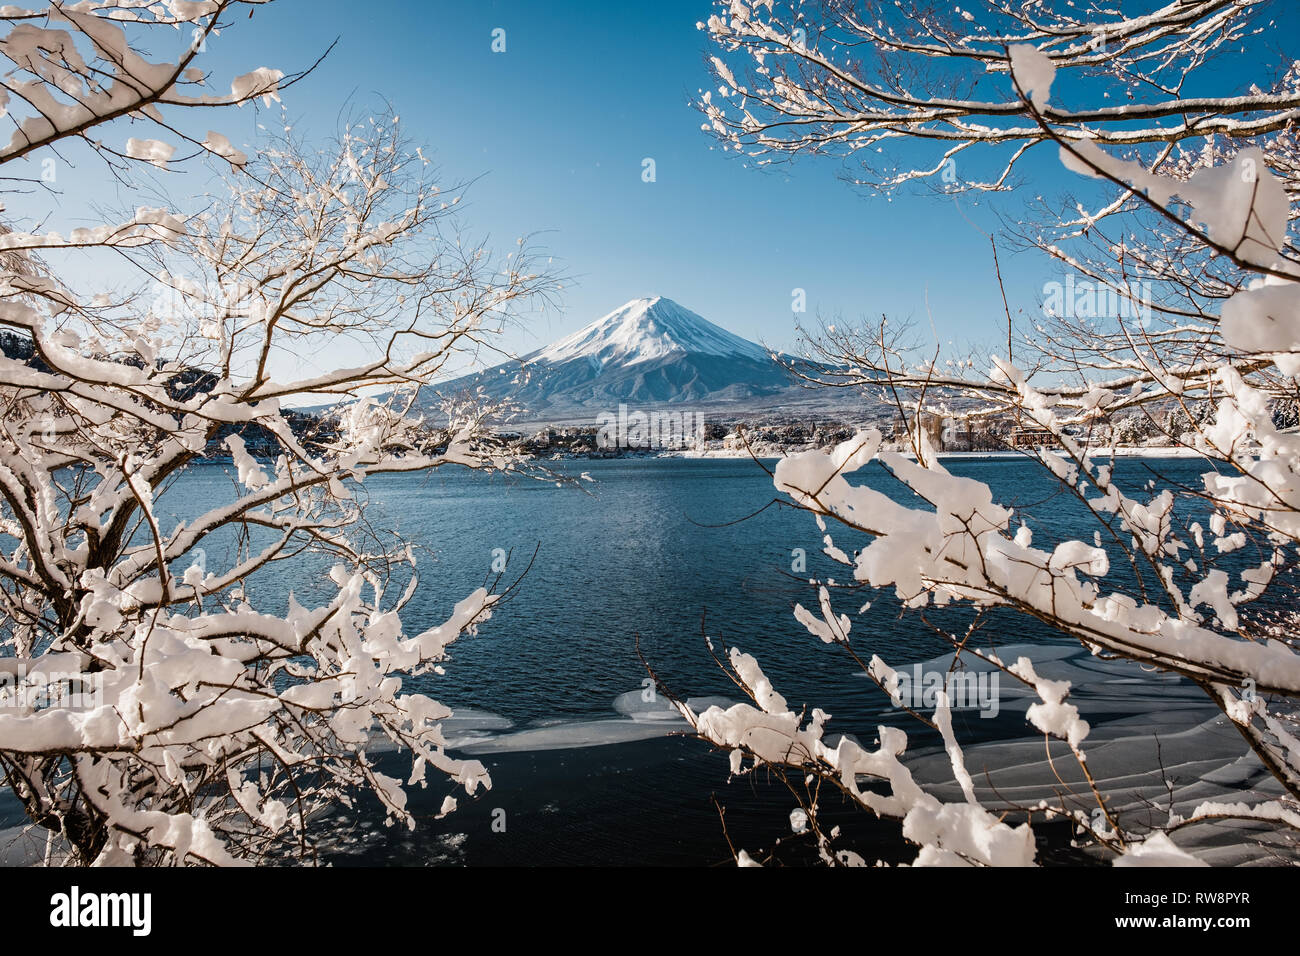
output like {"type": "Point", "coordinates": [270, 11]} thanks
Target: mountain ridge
{"type": "Point", "coordinates": [650, 351]}
{"type": "Point", "coordinates": [644, 329]}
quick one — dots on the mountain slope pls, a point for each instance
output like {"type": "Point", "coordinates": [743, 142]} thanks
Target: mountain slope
{"type": "Point", "coordinates": [647, 329]}
{"type": "Point", "coordinates": [649, 351]}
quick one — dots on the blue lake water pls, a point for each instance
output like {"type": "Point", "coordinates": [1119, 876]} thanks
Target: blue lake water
{"type": "Point", "coordinates": [650, 549]}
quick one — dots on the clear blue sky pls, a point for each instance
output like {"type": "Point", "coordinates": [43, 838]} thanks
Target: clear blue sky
{"type": "Point", "coordinates": [559, 125]}
{"type": "Point", "coordinates": [555, 130]}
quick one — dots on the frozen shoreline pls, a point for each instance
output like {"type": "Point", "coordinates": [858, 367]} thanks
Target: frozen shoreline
{"type": "Point", "coordinates": [1140, 724]}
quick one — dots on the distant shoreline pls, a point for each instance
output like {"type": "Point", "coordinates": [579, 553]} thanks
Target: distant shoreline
{"type": "Point", "coordinates": [770, 454]}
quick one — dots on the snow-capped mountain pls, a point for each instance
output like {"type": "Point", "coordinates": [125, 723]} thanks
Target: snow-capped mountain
{"type": "Point", "coordinates": [644, 330]}
{"type": "Point", "coordinates": [649, 351]}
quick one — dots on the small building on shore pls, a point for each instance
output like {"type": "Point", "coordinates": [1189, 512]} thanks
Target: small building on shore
{"type": "Point", "coordinates": [1027, 437]}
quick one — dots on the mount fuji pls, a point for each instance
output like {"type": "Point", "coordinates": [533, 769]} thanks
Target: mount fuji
{"type": "Point", "coordinates": [649, 351]}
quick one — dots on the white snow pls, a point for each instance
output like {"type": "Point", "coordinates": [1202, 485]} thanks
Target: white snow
{"type": "Point", "coordinates": [646, 329]}
{"type": "Point", "coordinates": [1157, 850]}
{"type": "Point", "coordinates": [1034, 72]}
{"type": "Point", "coordinates": [151, 151]}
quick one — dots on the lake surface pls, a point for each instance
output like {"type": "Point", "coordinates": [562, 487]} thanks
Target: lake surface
{"type": "Point", "coordinates": [648, 550]}
{"type": "Point", "coordinates": [546, 693]}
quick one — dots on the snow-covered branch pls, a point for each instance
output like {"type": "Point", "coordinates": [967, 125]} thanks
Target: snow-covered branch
{"type": "Point", "coordinates": [210, 724]}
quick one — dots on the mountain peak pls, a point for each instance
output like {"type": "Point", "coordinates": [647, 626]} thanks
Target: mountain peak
{"type": "Point", "coordinates": [649, 351]}
{"type": "Point", "coordinates": [646, 329]}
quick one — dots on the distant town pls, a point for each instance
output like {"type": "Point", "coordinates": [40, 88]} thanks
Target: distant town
{"type": "Point", "coordinates": [1163, 429]}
